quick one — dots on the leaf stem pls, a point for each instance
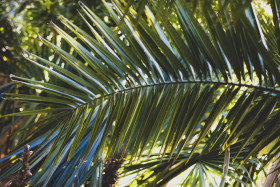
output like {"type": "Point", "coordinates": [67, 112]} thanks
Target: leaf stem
{"type": "Point", "coordinates": [272, 90]}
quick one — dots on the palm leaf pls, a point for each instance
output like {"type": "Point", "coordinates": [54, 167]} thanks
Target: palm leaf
{"type": "Point", "coordinates": [179, 95]}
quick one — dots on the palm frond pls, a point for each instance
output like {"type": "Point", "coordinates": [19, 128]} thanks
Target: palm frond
{"type": "Point", "coordinates": [180, 91]}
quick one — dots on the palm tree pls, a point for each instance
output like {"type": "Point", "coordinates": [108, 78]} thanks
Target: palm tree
{"type": "Point", "coordinates": [179, 87]}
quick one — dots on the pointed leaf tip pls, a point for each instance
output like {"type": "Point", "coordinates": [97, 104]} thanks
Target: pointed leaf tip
{"type": "Point", "coordinates": [39, 37]}
{"type": "Point", "coordinates": [81, 3]}
{"type": "Point", "coordinates": [51, 23]}
{"type": "Point", "coordinates": [26, 52]}
{"type": "Point", "coordinates": [1, 97]}
{"type": "Point", "coordinates": [11, 76]}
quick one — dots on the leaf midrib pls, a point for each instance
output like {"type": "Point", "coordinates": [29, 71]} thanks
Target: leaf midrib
{"type": "Point", "coordinates": [218, 83]}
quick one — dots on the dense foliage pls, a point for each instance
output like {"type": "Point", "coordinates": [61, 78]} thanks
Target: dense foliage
{"type": "Point", "coordinates": [185, 89]}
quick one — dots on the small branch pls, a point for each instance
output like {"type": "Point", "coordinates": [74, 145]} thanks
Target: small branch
{"type": "Point", "coordinates": [225, 167]}
{"type": "Point", "coordinates": [24, 172]}
{"type": "Point", "coordinates": [272, 176]}
{"type": "Point", "coordinates": [111, 167]}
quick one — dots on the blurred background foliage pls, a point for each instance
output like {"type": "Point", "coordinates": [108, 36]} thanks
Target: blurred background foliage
{"type": "Point", "coordinates": [21, 22]}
